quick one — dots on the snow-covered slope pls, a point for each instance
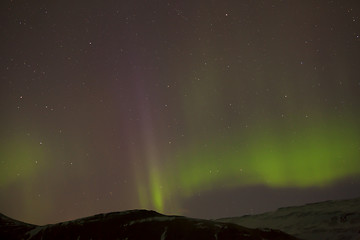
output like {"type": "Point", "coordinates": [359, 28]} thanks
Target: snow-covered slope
{"type": "Point", "coordinates": [330, 220]}
{"type": "Point", "coordinates": [136, 224]}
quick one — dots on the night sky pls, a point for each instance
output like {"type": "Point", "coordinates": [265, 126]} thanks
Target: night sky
{"type": "Point", "coordinates": [201, 108]}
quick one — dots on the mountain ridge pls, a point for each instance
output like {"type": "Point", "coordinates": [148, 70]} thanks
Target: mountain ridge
{"type": "Point", "coordinates": [135, 224]}
{"type": "Point", "coordinates": [331, 220]}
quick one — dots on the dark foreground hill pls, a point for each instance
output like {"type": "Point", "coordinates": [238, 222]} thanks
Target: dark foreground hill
{"type": "Point", "coordinates": [330, 220]}
{"type": "Point", "coordinates": [136, 224]}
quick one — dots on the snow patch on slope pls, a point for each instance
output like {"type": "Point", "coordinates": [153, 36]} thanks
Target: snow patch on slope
{"type": "Point", "coordinates": [331, 220]}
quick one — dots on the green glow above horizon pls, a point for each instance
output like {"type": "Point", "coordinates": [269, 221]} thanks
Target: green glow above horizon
{"type": "Point", "coordinates": [317, 154]}
{"type": "Point", "coordinates": [20, 159]}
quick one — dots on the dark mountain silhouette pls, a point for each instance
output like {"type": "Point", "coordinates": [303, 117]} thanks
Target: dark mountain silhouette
{"type": "Point", "coordinates": [13, 229]}
{"type": "Point", "coordinates": [135, 224]}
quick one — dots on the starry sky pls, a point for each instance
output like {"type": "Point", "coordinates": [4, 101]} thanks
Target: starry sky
{"type": "Point", "coordinates": [201, 108]}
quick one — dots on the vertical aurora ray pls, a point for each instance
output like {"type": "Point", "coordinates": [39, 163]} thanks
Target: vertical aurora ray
{"type": "Point", "coordinates": [148, 176]}
{"type": "Point", "coordinates": [156, 189]}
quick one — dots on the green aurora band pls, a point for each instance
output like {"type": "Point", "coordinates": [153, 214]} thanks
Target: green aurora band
{"type": "Point", "coordinates": [317, 154]}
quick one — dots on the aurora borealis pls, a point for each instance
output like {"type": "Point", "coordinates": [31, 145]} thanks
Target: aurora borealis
{"type": "Point", "coordinates": [202, 108]}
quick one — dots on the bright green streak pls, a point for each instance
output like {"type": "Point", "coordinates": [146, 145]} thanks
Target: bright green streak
{"type": "Point", "coordinates": [317, 154]}
{"type": "Point", "coordinates": [156, 190]}
{"type": "Point", "coordinates": [153, 188]}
